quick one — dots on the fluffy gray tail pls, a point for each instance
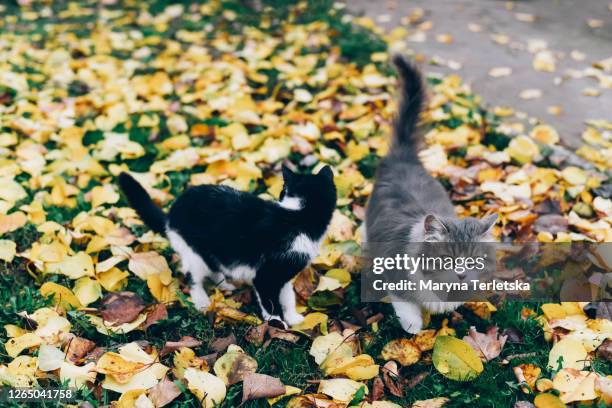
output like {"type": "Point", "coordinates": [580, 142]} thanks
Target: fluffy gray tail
{"type": "Point", "coordinates": [140, 200]}
{"type": "Point", "coordinates": [411, 102]}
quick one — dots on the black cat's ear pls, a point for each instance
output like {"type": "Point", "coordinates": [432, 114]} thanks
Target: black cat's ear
{"type": "Point", "coordinates": [326, 172]}
{"type": "Point", "coordinates": [287, 173]}
{"type": "Point", "coordinates": [432, 225]}
{"type": "Point", "coordinates": [488, 223]}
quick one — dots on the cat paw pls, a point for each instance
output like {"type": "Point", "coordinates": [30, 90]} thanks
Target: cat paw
{"type": "Point", "coordinates": [225, 285]}
{"type": "Point", "coordinates": [441, 307]}
{"type": "Point", "coordinates": [293, 318]}
{"type": "Point", "coordinates": [200, 302]}
{"type": "Point", "coordinates": [411, 324]}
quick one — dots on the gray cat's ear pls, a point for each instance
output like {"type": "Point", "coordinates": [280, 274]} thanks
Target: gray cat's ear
{"type": "Point", "coordinates": [488, 222]}
{"type": "Point", "coordinates": [287, 173]}
{"type": "Point", "coordinates": [432, 225]}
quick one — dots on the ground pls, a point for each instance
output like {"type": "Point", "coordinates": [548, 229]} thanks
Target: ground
{"type": "Point", "coordinates": [563, 25]}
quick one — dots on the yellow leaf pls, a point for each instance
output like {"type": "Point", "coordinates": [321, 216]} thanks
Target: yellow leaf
{"type": "Point", "coordinates": [163, 287]}
{"type": "Point", "coordinates": [10, 190]}
{"type": "Point", "coordinates": [74, 267]}
{"type": "Point", "coordinates": [455, 359]}
{"type": "Point", "coordinates": [115, 365]}
{"type": "Point", "coordinates": [61, 295]}
{"type": "Point", "coordinates": [105, 194]}
{"type": "Point", "coordinates": [545, 134]}
{"type": "Point", "coordinates": [404, 351]}
{"type": "Point", "coordinates": [575, 385]}
{"type": "Point", "coordinates": [87, 290]}
{"type": "Point", "coordinates": [77, 377]}
{"type": "Point", "coordinates": [113, 279]}
{"type": "Point", "coordinates": [548, 401]}
{"type": "Point", "coordinates": [129, 399]}
{"type": "Point", "coordinates": [571, 352]}
{"type": "Point", "coordinates": [431, 403]}
{"type": "Point", "coordinates": [8, 249]}
{"type": "Point", "coordinates": [16, 345]}
{"type": "Point", "coordinates": [341, 389]}
{"type": "Point", "coordinates": [234, 365]}
{"type": "Point", "coordinates": [144, 264]}
{"type": "Point", "coordinates": [12, 221]}
{"type": "Point", "coordinates": [289, 390]}
{"type": "Point", "coordinates": [107, 328]}
{"type": "Point", "coordinates": [311, 320]}
{"type": "Point", "coordinates": [210, 390]}
{"type": "Point", "coordinates": [323, 345]}
{"type": "Point", "coordinates": [523, 150]}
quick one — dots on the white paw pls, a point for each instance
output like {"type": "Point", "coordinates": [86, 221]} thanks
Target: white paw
{"type": "Point", "coordinates": [293, 318]}
{"type": "Point", "coordinates": [200, 299]}
{"type": "Point", "coordinates": [412, 324]}
{"type": "Point", "coordinates": [225, 285]}
{"type": "Point", "coordinates": [441, 307]}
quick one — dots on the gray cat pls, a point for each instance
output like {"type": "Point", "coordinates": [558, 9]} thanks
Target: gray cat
{"type": "Point", "coordinates": [408, 205]}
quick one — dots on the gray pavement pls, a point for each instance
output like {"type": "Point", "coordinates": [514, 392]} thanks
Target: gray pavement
{"type": "Point", "coordinates": [485, 34]}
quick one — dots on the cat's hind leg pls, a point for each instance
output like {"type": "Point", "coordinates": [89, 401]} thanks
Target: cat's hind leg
{"type": "Point", "coordinates": [275, 294]}
{"type": "Point", "coordinates": [193, 265]}
{"type": "Point", "coordinates": [287, 302]}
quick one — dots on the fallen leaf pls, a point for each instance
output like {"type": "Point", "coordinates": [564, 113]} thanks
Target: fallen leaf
{"type": "Point", "coordinates": [489, 345]}
{"type": "Point", "coordinates": [164, 393]}
{"type": "Point", "coordinates": [121, 307]}
{"type": "Point", "coordinates": [455, 359]}
{"type": "Point", "coordinates": [257, 386]}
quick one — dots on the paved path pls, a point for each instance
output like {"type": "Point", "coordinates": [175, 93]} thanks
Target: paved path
{"type": "Point", "coordinates": [484, 34]}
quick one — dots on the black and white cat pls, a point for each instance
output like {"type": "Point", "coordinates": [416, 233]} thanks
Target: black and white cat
{"type": "Point", "coordinates": [228, 235]}
{"type": "Point", "coordinates": [408, 205]}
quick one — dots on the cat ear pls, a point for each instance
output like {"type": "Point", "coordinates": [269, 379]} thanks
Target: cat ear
{"type": "Point", "coordinates": [287, 173]}
{"type": "Point", "coordinates": [488, 222]}
{"type": "Point", "coordinates": [432, 225]}
{"type": "Point", "coordinates": [326, 172]}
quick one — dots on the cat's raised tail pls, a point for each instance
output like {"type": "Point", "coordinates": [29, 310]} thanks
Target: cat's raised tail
{"type": "Point", "coordinates": [141, 201]}
{"type": "Point", "coordinates": [411, 102]}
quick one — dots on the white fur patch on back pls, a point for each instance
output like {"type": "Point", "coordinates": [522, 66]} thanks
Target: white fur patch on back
{"type": "Point", "coordinates": [306, 245]}
{"type": "Point", "coordinates": [291, 203]}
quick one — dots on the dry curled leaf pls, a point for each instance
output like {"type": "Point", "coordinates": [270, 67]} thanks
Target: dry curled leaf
{"type": "Point", "coordinates": [489, 345]}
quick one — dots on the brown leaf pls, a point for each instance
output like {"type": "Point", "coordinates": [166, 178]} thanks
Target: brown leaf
{"type": "Point", "coordinates": [552, 223]}
{"type": "Point", "coordinates": [392, 379]}
{"type": "Point", "coordinates": [604, 351]}
{"type": "Point", "coordinates": [488, 346]}
{"type": "Point", "coordinates": [257, 386]}
{"type": "Point", "coordinates": [156, 313]}
{"type": "Point", "coordinates": [78, 347]}
{"type": "Point", "coordinates": [282, 334]}
{"type": "Point", "coordinates": [257, 334]}
{"type": "Point", "coordinates": [185, 341]}
{"type": "Point", "coordinates": [221, 343]}
{"type": "Point", "coordinates": [121, 307]}
{"type": "Point", "coordinates": [163, 393]}
{"type": "Point", "coordinates": [414, 381]}
{"type": "Point", "coordinates": [378, 389]}
{"type": "Point", "coordinates": [305, 283]}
